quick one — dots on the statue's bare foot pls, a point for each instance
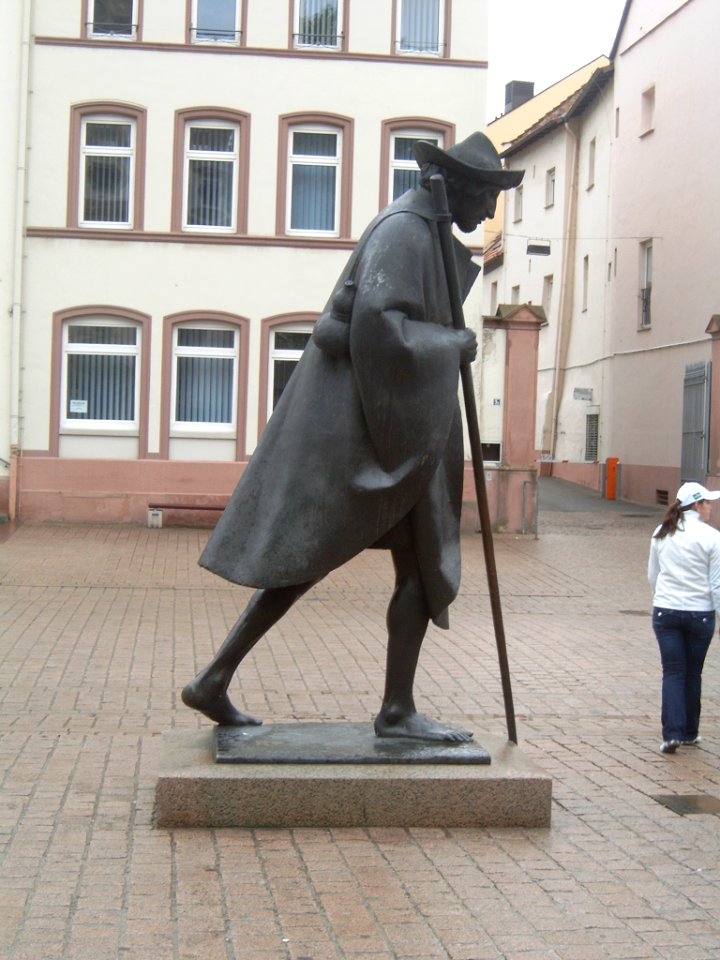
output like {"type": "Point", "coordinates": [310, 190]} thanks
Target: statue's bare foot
{"type": "Point", "coordinates": [210, 699]}
{"type": "Point", "coordinates": [419, 727]}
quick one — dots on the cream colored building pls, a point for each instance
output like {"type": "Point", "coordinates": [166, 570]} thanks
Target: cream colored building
{"type": "Point", "coordinates": [621, 185]}
{"type": "Point", "coordinates": [505, 129]}
{"type": "Point", "coordinates": [191, 177]}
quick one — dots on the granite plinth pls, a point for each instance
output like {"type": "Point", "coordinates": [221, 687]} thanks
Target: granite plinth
{"type": "Point", "coordinates": [334, 743]}
{"type": "Point", "coordinates": [193, 790]}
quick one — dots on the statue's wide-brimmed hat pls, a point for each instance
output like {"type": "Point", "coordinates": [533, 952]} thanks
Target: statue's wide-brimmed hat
{"type": "Point", "coordinates": [475, 158]}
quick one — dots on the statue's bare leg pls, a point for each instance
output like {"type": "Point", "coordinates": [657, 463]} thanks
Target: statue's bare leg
{"type": "Point", "coordinates": [207, 692]}
{"type": "Point", "coordinates": [407, 623]}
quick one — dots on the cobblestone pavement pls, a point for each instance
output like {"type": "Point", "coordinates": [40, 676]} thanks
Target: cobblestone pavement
{"type": "Point", "coordinates": [102, 625]}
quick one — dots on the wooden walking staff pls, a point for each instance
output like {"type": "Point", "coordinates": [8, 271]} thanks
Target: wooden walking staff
{"type": "Point", "coordinates": [439, 195]}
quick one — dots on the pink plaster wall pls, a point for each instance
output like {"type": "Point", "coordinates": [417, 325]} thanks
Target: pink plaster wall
{"type": "Point", "coordinates": [119, 491]}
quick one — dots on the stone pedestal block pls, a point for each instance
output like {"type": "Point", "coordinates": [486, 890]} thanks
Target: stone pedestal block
{"type": "Point", "coordinates": [195, 791]}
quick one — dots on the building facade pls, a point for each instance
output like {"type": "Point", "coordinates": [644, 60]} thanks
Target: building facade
{"type": "Point", "coordinates": [621, 198]}
{"type": "Point", "coordinates": [188, 181]}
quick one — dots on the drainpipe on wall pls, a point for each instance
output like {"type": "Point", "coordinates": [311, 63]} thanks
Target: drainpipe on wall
{"type": "Point", "coordinates": [567, 289]}
{"type": "Point", "coordinates": [18, 258]}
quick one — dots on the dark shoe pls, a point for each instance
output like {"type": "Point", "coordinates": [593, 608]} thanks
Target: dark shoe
{"type": "Point", "coordinates": [669, 746]}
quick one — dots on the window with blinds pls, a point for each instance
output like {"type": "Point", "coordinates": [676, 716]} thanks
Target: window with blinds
{"type": "Point", "coordinates": [286, 348]}
{"type": "Point", "coordinates": [100, 380]}
{"type": "Point", "coordinates": [314, 180]}
{"type": "Point", "coordinates": [405, 173]}
{"type": "Point", "coordinates": [420, 26]}
{"type": "Point", "coordinates": [317, 23]}
{"type": "Point", "coordinates": [211, 176]}
{"type": "Point", "coordinates": [205, 361]}
{"type": "Point", "coordinates": [107, 175]}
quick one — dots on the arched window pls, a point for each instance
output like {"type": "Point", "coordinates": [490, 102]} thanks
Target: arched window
{"type": "Point", "coordinates": [283, 340]}
{"type": "Point", "coordinates": [204, 386]}
{"type": "Point", "coordinates": [210, 180]}
{"type": "Point", "coordinates": [398, 168]}
{"type": "Point", "coordinates": [314, 176]}
{"type": "Point", "coordinates": [99, 384]}
{"type": "Point", "coordinates": [107, 166]}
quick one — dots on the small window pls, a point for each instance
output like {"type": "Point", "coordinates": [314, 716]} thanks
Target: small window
{"type": "Point", "coordinates": [647, 111]}
{"type": "Point", "coordinates": [100, 374]}
{"type": "Point", "coordinates": [405, 173]}
{"type": "Point", "coordinates": [286, 348]}
{"type": "Point", "coordinates": [314, 181]}
{"type": "Point", "coordinates": [617, 122]}
{"type": "Point", "coordinates": [317, 24]}
{"type": "Point", "coordinates": [107, 176]}
{"type": "Point", "coordinates": [420, 26]}
{"type": "Point", "coordinates": [592, 429]}
{"type": "Point", "coordinates": [591, 164]}
{"type": "Point", "coordinates": [491, 452]}
{"type": "Point", "coordinates": [205, 373]}
{"type": "Point", "coordinates": [215, 21]}
{"type": "Point", "coordinates": [550, 187]}
{"type": "Point", "coordinates": [646, 267]}
{"type": "Point", "coordinates": [518, 204]}
{"type": "Point", "coordinates": [585, 282]}
{"type": "Point", "coordinates": [547, 294]}
{"type": "Point", "coordinates": [112, 19]}
{"type": "Point", "coordinates": [493, 298]}
{"type": "Point", "coordinates": [515, 294]}
{"type": "Point", "coordinates": [211, 176]}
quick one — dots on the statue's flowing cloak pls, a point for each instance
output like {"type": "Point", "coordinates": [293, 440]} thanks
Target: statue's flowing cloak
{"type": "Point", "coordinates": [362, 440]}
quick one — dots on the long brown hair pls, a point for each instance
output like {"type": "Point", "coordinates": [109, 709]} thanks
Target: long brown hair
{"type": "Point", "coordinates": [671, 520]}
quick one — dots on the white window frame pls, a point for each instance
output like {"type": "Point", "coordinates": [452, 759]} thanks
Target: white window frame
{"type": "Point", "coordinates": [515, 294]}
{"type": "Point", "coordinates": [109, 35]}
{"type": "Point", "coordinates": [68, 424]}
{"type": "Point", "coordinates": [90, 151]}
{"type": "Point", "coordinates": [232, 41]}
{"type": "Point", "coordinates": [305, 160]}
{"type": "Point", "coordinates": [646, 264]}
{"type": "Point", "coordinates": [412, 49]}
{"type": "Point", "coordinates": [592, 149]}
{"type": "Point", "coordinates": [592, 436]}
{"type": "Point", "coordinates": [211, 156]}
{"type": "Point", "coordinates": [185, 427]}
{"type": "Point", "coordinates": [317, 46]}
{"type": "Point", "coordinates": [276, 353]}
{"type": "Point", "coordinates": [550, 186]}
{"type": "Point", "coordinates": [411, 164]}
{"type": "Point", "coordinates": [518, 204]}
{"type": "Point", "coordinates": [647, 110]}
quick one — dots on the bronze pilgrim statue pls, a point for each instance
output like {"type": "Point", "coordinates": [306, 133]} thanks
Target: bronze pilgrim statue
{"type": "Point", "coordinates": [365, 447]}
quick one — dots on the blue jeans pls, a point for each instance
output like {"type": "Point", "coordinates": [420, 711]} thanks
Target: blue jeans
{"type": "Point", "coordinates": [683, 637]}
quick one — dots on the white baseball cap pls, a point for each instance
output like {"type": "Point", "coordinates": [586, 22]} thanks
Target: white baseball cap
{"type": "Point", "coordinates": [690, 493]}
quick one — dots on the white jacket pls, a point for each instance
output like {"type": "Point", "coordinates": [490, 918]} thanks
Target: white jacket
{"type": "Point", "coordinates": [684, 568]}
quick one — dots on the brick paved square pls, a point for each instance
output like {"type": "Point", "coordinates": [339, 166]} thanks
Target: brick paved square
{"type": "Point", "coordinates": [102, 625]}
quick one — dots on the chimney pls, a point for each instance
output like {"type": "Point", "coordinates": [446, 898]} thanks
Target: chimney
{"type": "Point", "coordinates": [518, 92]}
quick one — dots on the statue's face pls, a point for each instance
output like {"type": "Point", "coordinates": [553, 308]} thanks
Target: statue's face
{"type": "Point", "coordinates": [471, 203]}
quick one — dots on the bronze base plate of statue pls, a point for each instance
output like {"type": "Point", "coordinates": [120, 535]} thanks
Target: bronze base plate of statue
{"type": "Point", "coordinates": [335, 743]}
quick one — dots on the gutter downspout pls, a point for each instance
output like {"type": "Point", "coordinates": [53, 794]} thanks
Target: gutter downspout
{"type": "Point", "coordinates": [567, 290]}
{"type": "Point", "coordinates": [18, 259]}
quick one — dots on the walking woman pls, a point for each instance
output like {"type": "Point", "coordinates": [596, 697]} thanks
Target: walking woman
{"type": "Point", "coordinates": [684, 572]}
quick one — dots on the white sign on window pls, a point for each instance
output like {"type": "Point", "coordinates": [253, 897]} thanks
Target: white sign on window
{"type": "Point", "coordinates": [78, 406]}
